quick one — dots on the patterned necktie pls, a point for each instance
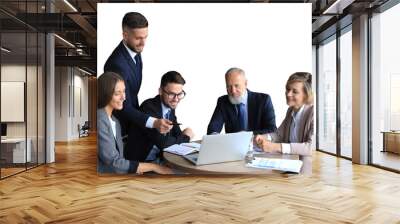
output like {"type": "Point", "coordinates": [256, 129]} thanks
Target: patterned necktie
{"type": "Point", "coordinates": [168, 115]}
{"type": "Point", "coordinates": [240, 109]}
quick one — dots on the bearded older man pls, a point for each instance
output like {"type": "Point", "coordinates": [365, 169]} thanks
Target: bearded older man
{"type": "Point", "coordinates": [242, 109]}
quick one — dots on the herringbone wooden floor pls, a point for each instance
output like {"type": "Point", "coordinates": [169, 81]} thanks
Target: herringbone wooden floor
{"type": "Point", "coordinates": [70, 191]}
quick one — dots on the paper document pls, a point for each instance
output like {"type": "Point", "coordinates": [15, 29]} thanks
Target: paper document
{"type": "Point", "coordinates": [182, 149]}
{"type": "Point", "coordinates": [192, 145]}
{"type": "Point", "coordinates": [289, 165]}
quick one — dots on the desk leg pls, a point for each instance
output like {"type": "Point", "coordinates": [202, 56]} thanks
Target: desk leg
{"type": "Point", "coordinates": [384, 142]}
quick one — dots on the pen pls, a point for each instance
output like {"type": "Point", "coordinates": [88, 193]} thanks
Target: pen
{"type": "Point", "coordinates": [175, 123]}
{"type": "Point", "coordinates": [191, 146]}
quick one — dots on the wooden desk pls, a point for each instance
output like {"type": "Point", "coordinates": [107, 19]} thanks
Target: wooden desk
{"type": "Point", "coordinates": [391, 141]}
{"type": "Point", "coordinates": [235, 167]}
{"type": "Point", "coordinates": [13, 150]}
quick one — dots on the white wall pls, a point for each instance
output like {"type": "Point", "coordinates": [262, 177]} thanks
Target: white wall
{"type": "Point", "coordinates": [15, 73]}
{"type": "Point", "coordinates": [70, 83]}
{"type": "Point", "coordinates": [61, 88]}
{"type": "Point", "coordinates": [202, 41]}
{"type": "Point", "coordinates": [34, 106]}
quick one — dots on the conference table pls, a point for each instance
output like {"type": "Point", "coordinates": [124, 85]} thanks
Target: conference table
{"type": "Point", "coordinates": [182, 165]}
{"type": "Point", "coordinates": [391, 141]}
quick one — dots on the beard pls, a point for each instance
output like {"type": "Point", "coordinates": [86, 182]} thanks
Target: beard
{"type": "Point", "coordinates": [132, 48]}
{"type": "Point", "coordinates": [236, 100]}
{"type": "Point", "coordinates": [167, 104]}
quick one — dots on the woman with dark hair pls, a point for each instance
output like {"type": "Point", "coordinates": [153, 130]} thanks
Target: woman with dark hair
{"type": "Point", "coordinates": [111, 95]}
{"type": "Point", "coordinates": [294, 135]}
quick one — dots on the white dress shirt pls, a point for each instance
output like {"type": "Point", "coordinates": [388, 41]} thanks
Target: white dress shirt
{"type": "Point", "coordinates": [294, 130]}
{"type": "Point", "coordinates": [150, 120]}
{"type": "Point", "coordinates": [113, 127]}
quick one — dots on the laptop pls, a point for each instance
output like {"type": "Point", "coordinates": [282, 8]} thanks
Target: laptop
{"type": "Point", "coordinates": [222, 148]}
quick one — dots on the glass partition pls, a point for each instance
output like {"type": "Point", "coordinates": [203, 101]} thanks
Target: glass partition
{"type": "Point", "coordinates": [346, 93]}
{"type": "Point", "coordinates": [22, 79]}
{"type": "Point", "coordinates": [385, 89]}
{"type": "Point", "coordinates": [327, 96]}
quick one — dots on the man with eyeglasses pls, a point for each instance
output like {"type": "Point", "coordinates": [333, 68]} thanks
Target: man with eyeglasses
{"type": "Point", "coordinates": [149, 142]}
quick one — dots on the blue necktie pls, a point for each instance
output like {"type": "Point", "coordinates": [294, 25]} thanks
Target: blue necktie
{"type": "Point", "coordinates": [139, 68]}
{"type": "Point", "coordinates": [240, 109]}
{"type": "Point", "coordinates": [168, 115]}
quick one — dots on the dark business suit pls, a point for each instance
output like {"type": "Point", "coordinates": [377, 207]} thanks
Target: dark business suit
{"type": "Point", "coordinates": [260, 115]}
{"type": "Point", "coordinates": [122, 63]}
{"type": "Point", "coordinates": [110, 150]}
{"type": "Point", "coordinates": [145, 138]}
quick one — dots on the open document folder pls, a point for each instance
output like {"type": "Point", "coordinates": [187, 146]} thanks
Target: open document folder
{"type": "Point", "coordinates": [183, 149]}
{"type": "Point", "coordinates": [287, 165]}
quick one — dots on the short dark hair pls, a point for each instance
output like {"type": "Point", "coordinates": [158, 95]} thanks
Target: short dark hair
{"type": "Point", "coordinates": [134, 20]}
{"type": "Point", "coordinates": [172, 77]}
{"type": "Point", "coordinates": [106, 87]}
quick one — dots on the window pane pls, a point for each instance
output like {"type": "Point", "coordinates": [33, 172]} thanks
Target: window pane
{"type": "Point", "coordinates": [346, 94]}
{"type": "Point", "coordinates": [41, 98]}
{"type": "Point", "coordinates": [14, 153]}
{"type": "Point", "coordinates": [31, 96]}
{"type": "Point", "coordinates": [385, 86]}
{"type": "Point", "coordinates": [327, 97]}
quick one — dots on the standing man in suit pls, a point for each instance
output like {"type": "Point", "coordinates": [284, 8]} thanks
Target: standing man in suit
{"type": "Point", "coordinates": [241, 109]}
{"type": "Point", "coordinates": [148, 142]}
{"type": "Point", "coordinates": [126, 60]}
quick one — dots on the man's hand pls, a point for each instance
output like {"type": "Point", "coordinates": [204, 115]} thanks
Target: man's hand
{"type": "Point", "coordinates": [162, 125]}
{"type": "Point", "coordinates": [189, 132]}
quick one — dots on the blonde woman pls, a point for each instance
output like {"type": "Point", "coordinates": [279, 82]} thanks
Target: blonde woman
{"type": "Point", "coordinates": [294, 135]}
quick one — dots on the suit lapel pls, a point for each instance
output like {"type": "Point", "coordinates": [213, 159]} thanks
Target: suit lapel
{"type": "Point", "coordinates": [251, 108]}
{"type": "Point", "coordinates": [157, 105]}
{"type": "Point", "coordinates": [288, 123]}
{"type": "Point", "coordinates": [130, 61]}
{"type": "Point", "coordinates": [173, 118]}
{"type": "Point", "coordinates": [119, 139]}
{"type": "Point", "coordinates": [232, 112]}
{"type": "Point", "coordinates": [304, 118]}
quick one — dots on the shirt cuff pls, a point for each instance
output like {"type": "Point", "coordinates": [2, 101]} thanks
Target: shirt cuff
{"type": "Point", "coordinates": [269, 137]}
{"type": "Point", "coordinates": [133, 165]}
{"type": "Point", "coordinates": [150, 122]}
{"type": "Point", "coordinates": [285, 148]}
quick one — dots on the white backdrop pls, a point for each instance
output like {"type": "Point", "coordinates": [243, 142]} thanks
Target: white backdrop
{"type": "Point", "coordinates": [202, 41]}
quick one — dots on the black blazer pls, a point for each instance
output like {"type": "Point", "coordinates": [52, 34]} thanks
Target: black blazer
{"type": "Point", "coordinates": [142, 141]}
{"type": "Point", "coordinates": [260, 112]}
{"type": "Point", "coordinates": [122, 63]}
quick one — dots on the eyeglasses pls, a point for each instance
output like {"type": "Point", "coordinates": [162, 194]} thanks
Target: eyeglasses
{"type": "Point", "coordinates": [171, 96]}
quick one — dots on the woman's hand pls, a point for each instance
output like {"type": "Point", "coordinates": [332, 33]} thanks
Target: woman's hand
{"type": "Point", "coordinates": [267, 146]}
{"type": "Point", "coordinates": [147, 167]}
